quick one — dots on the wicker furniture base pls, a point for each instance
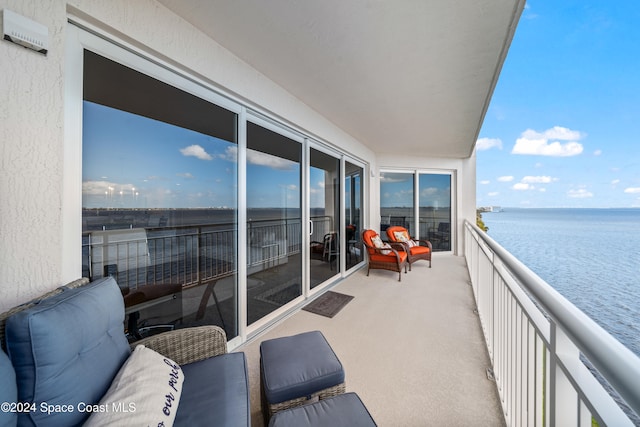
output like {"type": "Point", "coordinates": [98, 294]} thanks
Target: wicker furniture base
{"type": "Point", "coordinates": [296, 370]}
{"type": "Point", "coordinates": [320, 395]}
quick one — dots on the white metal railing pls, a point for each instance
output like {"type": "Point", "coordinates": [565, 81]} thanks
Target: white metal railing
{"type": "Point", "coordinates": [191, 255]}
{"type": "Point", "coordinates": [540, 350]}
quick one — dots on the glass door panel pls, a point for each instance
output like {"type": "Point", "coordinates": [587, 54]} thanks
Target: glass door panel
{"type": "Point", "coordinates": [435, 210]}
{"type": "Point", "coordinates": [353, 213]}
{"type": "Point", "coordinates": [159, 206]}
{"type": "Point", "coordinates": [396, 201]}
{"type": "Point", "coordinates": [274, 232]}
{"type": "Point", "coordinates": [324, 213]}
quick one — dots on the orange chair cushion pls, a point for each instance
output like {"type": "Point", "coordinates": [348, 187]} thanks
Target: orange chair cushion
{"type": "Point", "coordinates": [419, 250]}
{"type": "Point", "coordinates": [387, 258]}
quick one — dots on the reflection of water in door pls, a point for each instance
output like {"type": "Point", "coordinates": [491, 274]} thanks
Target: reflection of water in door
{"type": "Point", "coordinates": [274, 271]}
{"type": "Point", "coordinates": [324, 202]}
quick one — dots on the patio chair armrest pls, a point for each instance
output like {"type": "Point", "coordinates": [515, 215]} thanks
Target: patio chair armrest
{"type": "Point", "coordinates": [188, 345]}
{"type": "Point", "coordinates": [401, 246]}
{"type": "Point", "coordinates": [395, 247]}
{"type": "Point", "coordinates": [424, 243]}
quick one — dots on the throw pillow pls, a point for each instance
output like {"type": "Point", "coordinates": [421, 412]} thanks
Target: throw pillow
{"type": "Point", "coordinates": [146, 392]}
{"type": "Point", "coordinates": [401, 236]}
{"type": "Point", "coordinates": [378, 243]}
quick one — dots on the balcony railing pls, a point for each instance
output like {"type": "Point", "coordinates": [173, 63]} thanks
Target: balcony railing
{"type": "Point", "coordinates": [553, 365]}
{"type": "Point", "coordinates": [191, 255]}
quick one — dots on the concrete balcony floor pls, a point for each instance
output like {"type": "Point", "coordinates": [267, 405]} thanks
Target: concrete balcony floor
{"type": "Point", "coordinates": [412, 350]}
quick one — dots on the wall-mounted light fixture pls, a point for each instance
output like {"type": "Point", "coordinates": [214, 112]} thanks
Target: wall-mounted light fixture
{"type": "Point", "coordinates": [25, 32]}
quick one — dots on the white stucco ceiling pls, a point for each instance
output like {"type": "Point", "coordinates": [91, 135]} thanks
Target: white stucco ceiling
{"type": "Point", "coordinates": [399, 75]}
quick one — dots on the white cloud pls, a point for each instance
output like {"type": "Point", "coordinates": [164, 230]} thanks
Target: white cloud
{"type": "Point", "coordinates": [632, 190]}
{"type": "Point", "coordinates": [393, 178]}
{"type": "Point", "coordinates": [505, 179]}
{"type": "Point", "coordinates": [597, 152]}
{"type": "Point", "coordinates": [268, 160]}
{"type": "Point", "coordinates": [538, 179]}
{"type": "Point", "coordinates": [615, 182]}
{"type": "Point", "coordinates": [185, 175]}
{"type": "Point", "coordinates": [196, 151]}
{"type": "Point", "coordinates": [548, 143]}
{"type": "Point", "coordinates": [101, 188]}
{"type": "Point", "coordinates": [493, 193]}
{"type": "Point", "coordinates": [485, 182]}
{"type": "Point", "coordinates": [488, 143]}
{"type": "Point", "coordinates": [429, 191]}
{"type": "Point", "coordinates": [580, 193]}
{"type": "Point", "coordinates": [520, 186]}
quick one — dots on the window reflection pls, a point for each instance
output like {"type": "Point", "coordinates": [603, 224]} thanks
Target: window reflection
{"type": "Point", "coordinates": [325, 257]}
{"type": "Point", "coordinates": [396, 201]}
{"type": "Point", "coordinates": [274, 233]}
{"type": "Point", "coordinates": [435, 210]}
{"type": "Point", "coordinates": [353, 213]}
{"type": "Point", "coordinates": [159, 199]}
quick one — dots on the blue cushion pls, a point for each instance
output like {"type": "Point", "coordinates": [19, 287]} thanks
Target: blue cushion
{"type": "Point", "coordinates": [8, 390]}
{"type": "Point", "coordinates": [298, 366]}
{"type": "Point", "coordinates": [344, 410]}
{"type": "Point", "coordinates": [215, 392]}
{"type": "Point", "coordinates": [67, 349]}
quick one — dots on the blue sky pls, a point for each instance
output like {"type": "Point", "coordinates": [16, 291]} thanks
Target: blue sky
{"type": "Point", "coordinates": [563, 126]}
{"type": "Point", "coordinates": [130, 161]}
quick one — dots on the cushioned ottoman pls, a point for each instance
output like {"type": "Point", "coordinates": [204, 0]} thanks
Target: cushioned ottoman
{"type": "Point", "coordinates": [345, 410]}
{"type": "Point", "coordinates": [296, 369]}
{"type": "Point", "coordinates": [215, 392]}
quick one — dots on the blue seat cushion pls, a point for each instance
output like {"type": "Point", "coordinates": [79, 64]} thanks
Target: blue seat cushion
{"type": "Point", "coordinates": [344, 410]}
{"type": "Point", "coordinates": [215, 392]}
{"type": "Point", "coordinates": [67, 349]}
{"type": "Point", "coordinates": [298, 366]}
{"type": "Point", "coordinates": [8, 390]}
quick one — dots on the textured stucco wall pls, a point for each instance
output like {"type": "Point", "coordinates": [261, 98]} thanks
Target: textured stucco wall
{"type": "Point", "coordinates": [31, 141]}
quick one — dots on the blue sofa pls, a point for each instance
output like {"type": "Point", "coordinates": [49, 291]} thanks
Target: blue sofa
{"type": "Point", "coordinates": [65, 350]}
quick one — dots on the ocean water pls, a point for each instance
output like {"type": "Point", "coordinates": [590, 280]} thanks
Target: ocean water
{"type": "Point", "coordinates": [590, 256]}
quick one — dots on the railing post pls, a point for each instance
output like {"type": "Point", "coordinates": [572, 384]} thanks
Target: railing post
{"type": "Point", "coordinates": [564, 400]}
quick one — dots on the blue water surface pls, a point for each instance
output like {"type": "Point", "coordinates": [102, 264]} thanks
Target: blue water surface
{"type": "Point", "coordinates": [590, 256]}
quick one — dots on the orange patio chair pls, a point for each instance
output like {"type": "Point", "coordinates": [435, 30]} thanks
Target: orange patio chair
{"type": "Point", "coordinates": [384, 255]}
{"type": "Point", "coordinates": [415, 249]}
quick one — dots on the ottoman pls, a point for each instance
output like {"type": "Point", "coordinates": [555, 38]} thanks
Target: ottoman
{"type": "Point", "coordinates": [296, 369]}
{"type": "Point", "coordinates": [344, 410]}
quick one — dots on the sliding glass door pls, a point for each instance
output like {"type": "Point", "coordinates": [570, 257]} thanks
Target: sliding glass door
{"type": "Point", "coordinates": [435, 209]}
{"type": "Point", "coordinates": [274, 232]}
{"type": "Point", "coordinates": [353, 198]}
{"type": "Point", "coordinates": [159, 201]}
{"type": "Point", "coordinates": [396, 201]}
{"type": "Point", "coordinates": [205, 212]}
{"type": "Point", "coordinates": [324, 216]}
{"type": "Point", "coordinates": [420, 201]}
